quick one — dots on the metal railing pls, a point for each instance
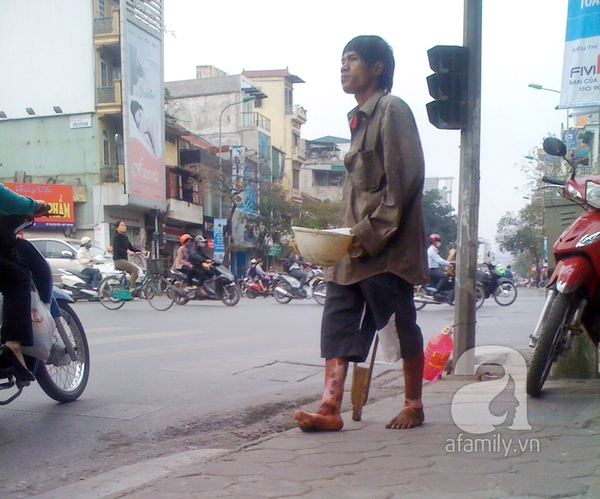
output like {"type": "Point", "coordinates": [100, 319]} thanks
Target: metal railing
{"type": "Point", "coordinates": [103, 26]}
{"type": "Point", "coordinates": [106, 95]}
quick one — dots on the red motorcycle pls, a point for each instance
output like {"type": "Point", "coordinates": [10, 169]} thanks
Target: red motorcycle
{"type": "Point", "coordinates": [572, 304]}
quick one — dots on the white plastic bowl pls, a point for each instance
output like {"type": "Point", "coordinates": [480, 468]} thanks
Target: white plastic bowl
{"type": "Point", "coordinates": [323, 247]}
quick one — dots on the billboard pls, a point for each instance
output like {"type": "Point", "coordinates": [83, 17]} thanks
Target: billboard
{"type": "Point", "coordinates": [581, 66]}
{"type": "Point", "coordinates": [143, 102]}
{"type": "Point", "coordinates": [58, 196]}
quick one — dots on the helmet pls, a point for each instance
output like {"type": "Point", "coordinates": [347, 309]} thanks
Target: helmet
{"type": "Point", "coordinates": [434, 238]}
{"type": "Point", "coordinates": [85, 241]}
{"type": "Point", "coordinates": [184, 238]}
{"type": "Point", "coordinates": [253, 261]}
{"type": "Point", "coordinates": [199, 239]}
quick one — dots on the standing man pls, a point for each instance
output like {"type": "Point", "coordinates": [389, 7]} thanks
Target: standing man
{"type": "Point", "coordinates": [373, 284]}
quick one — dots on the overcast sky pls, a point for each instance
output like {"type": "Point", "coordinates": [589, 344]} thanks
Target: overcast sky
{"type": "Point", "coordinates": [523, 43]}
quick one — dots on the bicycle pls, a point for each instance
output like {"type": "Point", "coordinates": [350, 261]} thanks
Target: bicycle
{"type": "Point", "coordinates": [113, 290]}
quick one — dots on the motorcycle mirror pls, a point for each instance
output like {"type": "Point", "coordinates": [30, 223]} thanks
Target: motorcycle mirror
{"type": "Point", "coordinates": [555, 147]}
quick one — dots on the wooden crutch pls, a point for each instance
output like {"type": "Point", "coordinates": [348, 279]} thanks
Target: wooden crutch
{"type": "Point", "coordinates": [361, 382]}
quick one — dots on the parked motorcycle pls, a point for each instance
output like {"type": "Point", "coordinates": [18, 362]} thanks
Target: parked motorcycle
{"type": "Point", "coordinates": [495, 284]}
{"type": "Point", "coordinates": [287, 288]}
{"type": "Point", "coordinates": [222, 286]}
{"type": "Point", "coordinates": [572, 305]}
{"type": "Point", "coordinates": [64, 375]}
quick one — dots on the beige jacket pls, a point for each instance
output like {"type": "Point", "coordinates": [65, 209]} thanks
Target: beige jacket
{"type": "Point", "coordinates": [382, 194]}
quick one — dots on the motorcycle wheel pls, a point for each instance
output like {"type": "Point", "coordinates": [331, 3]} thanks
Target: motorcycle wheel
{"type": "Point", "coordinates": [505, 294]}
{"type": "Point", "coordinates": [250, 293]}
{"type": "Point", "coordinates": [319, 292]}
{"type": "Point", "coordinates": [159, 293]}
{"type": "Point", "coordinates": [553, 332]}
{"type": "Point", "coordinates": [105, 290]}
{"type": "Point", "coordinates": [479, 296]}
{"type": "Point", "coordinates": [181, 297]}
{"type": "Point", "coordinates": [65, 383]}
{"type": "Point", "coordinates": [282, 297]}
{"type": "Point", "coordinates": [231, 294]}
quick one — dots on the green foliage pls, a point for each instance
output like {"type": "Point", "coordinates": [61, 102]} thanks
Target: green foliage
{"type": "Point", "coordinates": [439, 219]}
{"type": "Point", "coordinates": [524, 232]}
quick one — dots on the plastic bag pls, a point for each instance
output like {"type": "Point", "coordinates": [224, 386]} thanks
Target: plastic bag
{"type": "Point", "coordinates": [389, 341]}
{"type": "Point", "coordinates": [43, 328]}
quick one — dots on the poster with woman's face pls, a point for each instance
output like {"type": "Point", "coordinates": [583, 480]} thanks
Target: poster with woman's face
{"type": "Point", "coordinates": [145, 105]}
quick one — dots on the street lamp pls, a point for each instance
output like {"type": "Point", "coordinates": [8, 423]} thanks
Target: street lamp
{"type": "Point", "coordinates": [245, 99]}
{"type": "Point", "coordinates": [540, 87]}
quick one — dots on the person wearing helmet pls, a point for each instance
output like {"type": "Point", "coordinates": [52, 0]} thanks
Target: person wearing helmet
{"type": "Point", "coordinates": [182, 258]}
{"type": "Point", "coordinates": [257, 274]}
{"type": "Point", "coordinates": [86, 260]}
{"type": "Point", "coordinates": [437, 277]}
{"type": "Point", "coordinates": [201, 261]}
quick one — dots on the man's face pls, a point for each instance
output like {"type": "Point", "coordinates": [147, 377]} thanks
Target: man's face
{"type": "Point", "coordinates": [357, 76]}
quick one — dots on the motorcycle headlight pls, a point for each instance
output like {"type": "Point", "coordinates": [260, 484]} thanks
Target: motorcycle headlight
{"type": "Point", "coordinates": [592, 194]}
{"type": "Point", "coordinates": [574, 193]}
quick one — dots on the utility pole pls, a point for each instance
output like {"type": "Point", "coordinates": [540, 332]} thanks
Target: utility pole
{"type": "Point", "coordinates": [468, 203]}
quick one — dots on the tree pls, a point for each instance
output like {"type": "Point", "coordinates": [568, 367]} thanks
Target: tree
{"type": "Point", "coordinates": [439, 219]}
{"type": "Point", "coordinates": [523, 232]}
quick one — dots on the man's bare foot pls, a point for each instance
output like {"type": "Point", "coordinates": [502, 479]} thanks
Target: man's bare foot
{"type": "Point", "coordinates": [327, 418]}
{"type": "Point", "coordinates": [408, 417]}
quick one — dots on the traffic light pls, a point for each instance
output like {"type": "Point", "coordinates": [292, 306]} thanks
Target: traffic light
{"type": "Point", "coordinates": [448, 86]}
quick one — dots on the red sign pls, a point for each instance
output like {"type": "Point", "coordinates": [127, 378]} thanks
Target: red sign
{"type": "Point", "coordinates": [58, 196]}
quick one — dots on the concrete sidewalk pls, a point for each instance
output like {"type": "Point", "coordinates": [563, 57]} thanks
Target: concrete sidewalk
{"type": "Point", "coordinates": [558, 457]}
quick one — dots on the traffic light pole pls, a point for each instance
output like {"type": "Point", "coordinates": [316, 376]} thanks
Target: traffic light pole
{"type": "Point", "coordinates": [468, 203]}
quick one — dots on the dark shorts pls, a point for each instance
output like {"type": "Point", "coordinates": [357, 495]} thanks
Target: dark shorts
{"type": "Point", "coordinates": [353, 313]}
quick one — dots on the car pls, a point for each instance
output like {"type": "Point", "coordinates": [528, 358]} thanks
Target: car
{"type": "Point", "coordinates": [62, 254]}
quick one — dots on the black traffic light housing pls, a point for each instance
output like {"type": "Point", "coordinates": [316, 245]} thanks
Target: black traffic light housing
{"type": "Point", "coordinates": [448, 86]}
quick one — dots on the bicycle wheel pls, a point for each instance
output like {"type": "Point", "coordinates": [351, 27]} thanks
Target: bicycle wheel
{"type": "Point", "coordinates": [62, 378]}
{"type": "Point", "coordinates": [159, 293]}
{"type": "Point", "coordinates": [505, 294]}
{"type": "Point", "coordinates": [106, 290]}
{"type": "Point", "coordinates": [319, 292]}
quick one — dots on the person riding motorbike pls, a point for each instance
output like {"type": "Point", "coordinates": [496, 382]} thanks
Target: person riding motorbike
{"type": "Point", "coordinates": [201, 262]}
{"type": "Point", "coordinates": [86, 260]}
{"type": "Point", "coordinates": [182, 258]}
{"type": "Point", "coordinates": [438, 278]}
{"type": "Point", "coordinates": [294, 267]}
{"type": "Point", "coordinates": [257, 274]}
{"type": "Point", "coordinates": [15, 286]}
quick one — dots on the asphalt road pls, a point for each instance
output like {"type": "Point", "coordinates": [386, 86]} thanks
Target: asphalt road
{"type": "Point", "coordinates": [164, 382]}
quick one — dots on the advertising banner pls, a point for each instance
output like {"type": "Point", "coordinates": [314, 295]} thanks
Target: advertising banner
{"type": "Point", "coordinates": [144, 112]}
{"type": "Point", "coordinates": [581, 67]}
{"type": "Point", "coordinates": [58, 196]}
{"type": "Point", "coordinates": [219, 239]}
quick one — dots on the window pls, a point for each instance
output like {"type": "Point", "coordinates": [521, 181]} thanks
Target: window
{"type": "Point", "coordinates": [289, 96]}
{"type": "Point", "coordinates": [104, 80]}
{"type": "Point", "coordinates": [105, 149]}
{"type": "Point", "coordinates": [101, 9]}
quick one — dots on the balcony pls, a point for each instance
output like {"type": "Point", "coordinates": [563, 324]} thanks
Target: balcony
{"type": "Point", "coordinates": [250, 120]}
{"type": "Point", "coordinates": [106, 30]}
{"type": "Point", "coordinates": [185, 211]}
{"type": "Point", "coordinates": [108, 99]}
{"type": "Point", "coordinates": [297, 114]}
{"type": "Point", "coordinates": [112, 175]}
